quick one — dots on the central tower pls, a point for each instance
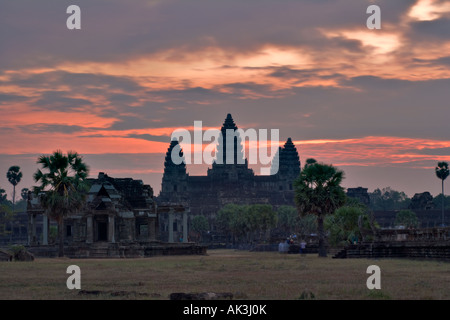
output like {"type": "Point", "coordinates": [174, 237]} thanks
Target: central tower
{"type": "Point", "coordinates": [230, 163]}
{"type": "Point", "coordinates": [229, 152]}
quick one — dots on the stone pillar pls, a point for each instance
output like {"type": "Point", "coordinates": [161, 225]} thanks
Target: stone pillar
{"type": "Point", "coordinates": [157, 230]}
{"type": "Point", "coordinates": [33, 230]}
{"type": "Point", "coordinates": [90, 230]}
{"type": "Point", "coordinates": [30, 227]}
{"type": "Point", "coordinates": [151, 229]}
{"type": "Point", "coordinates": [44, 229]}
{"type": "Point", "coordinates": [171, 226]}
{"type": "Point", "coordinates": [185, 226]}
{"type": "Point", "coordinates": [111, 227]}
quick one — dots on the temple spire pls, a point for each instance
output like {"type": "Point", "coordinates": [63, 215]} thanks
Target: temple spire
{"type": "Point", "coordinates": [289, 160]}
{"type": "Point", "coordinates": [234, 146]}
{"type": "Point", "coordinates": [171, 163]}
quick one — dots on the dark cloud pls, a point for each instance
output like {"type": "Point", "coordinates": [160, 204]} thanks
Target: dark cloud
{"type": "Point", "coordinates": [122, 98]}
{"type": "Point", "coordinates": [106, 82]}
{"type": "Point", "coordinates": [246, 90]}
{"type": "Point", "coordinates": [149, 137]}
{"type": "Point", "coordinates": [443, 61]}
{"type": "Point", "coordinates": [78, 81]}
{"type": "Point", "coordinates": [430, 151]}
{"type": "Point", "coordinates": [188, 95]}
{"type": "Point", "coordinates": [57, 100]}
{"type": "Point", "coordinates": [8, 98]}
{"type": "Point", "coordinates": [52, 128]}
{"type": "Point", "coordinates": [132, 122]}
{"type": "Point", "coordinates": [430, 31]}
{"type": "Point", "coordinates": [303, 75]}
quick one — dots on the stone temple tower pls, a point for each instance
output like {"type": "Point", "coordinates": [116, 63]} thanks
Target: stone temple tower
{"type": "Point", "coordinates": [289, 161]}
{"type": "Point", "coordinates": [237, 156]}
{"type": "Point", "coordinates": [174, 182]}
{"type": "Point", "coordinates": [230, 167]}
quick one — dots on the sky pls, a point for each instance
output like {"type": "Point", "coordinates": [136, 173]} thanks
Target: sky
{"type": "Point", "coordinates": [374, 103]}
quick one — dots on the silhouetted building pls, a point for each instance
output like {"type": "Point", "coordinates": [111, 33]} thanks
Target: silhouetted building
{"type": "Point", "coordinates": [226, 183]}
{"type": "Point", "coordinates": [360, 194]}
{"type": "Point", "coordinates": [117, 210]}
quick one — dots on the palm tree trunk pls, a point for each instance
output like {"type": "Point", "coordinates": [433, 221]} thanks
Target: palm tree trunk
{"type": "Point", "coordinates": [321, 232]}
{"type": "Point", "coordinates": [13, 209]}
{"type": "Point", "coordinates": [443, 202]}
{"type": "Point", "coordinates": [61, 237]}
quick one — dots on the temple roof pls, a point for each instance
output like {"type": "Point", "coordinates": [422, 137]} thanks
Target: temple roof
{"type": "Point", "coordinates": [168, 161]}
{"type": "Point", "coordinates": [228, 123]}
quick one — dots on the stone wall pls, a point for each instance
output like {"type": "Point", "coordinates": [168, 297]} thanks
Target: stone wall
{"type": "Point", "coordinates": [427, 218]}
{"type": "Point", "coordinates": [433, 243]}
{"type": "Point", "coordinates": [115, 250]}
{"type": "Point", "coordinates": [403, 249]}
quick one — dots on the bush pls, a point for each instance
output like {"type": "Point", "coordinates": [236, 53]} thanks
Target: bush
{"type": "Point", "coordinates": [406, 218]}
{"type": "Point", "coordinates": [20, 253]}
{"type": "Point", "coordinates": [16, 249]}
{"type": "Point", "coordinates": [343, 225]}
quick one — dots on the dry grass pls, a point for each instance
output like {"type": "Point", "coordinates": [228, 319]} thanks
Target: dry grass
{"type": "Point", "coordinates": [253, 275]}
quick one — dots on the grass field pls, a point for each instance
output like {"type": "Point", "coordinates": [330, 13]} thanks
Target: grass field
{"type": "Point", "coordinates": [248, 275]}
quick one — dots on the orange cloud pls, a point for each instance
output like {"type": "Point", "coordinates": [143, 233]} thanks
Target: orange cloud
{"type": "Point", "coordinates": [426, 10]}
{"type": "Point", "coordinates": [20, 115]}
{"type": "Point", "coordinates": [372, 151]}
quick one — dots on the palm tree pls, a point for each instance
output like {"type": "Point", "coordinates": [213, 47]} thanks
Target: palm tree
{"type": "Point", "coordinates": [442, 173]}
{"type": "Point", "coordinates": [62, 188]}
{"type": "Point", "coordinates": [2, 195]}
{"type": "Point", "coordinates": [318, 191]}
{"type": "Point", "coordinates": [14, 176]}
{"type": "Point", "coordinates": [24, 194]}
{"type": "Point", "coordinates": [310, 161]}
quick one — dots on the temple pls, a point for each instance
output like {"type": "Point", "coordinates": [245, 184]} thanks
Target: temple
{"type": "Point", "coordinates": [122, 218]}
{"type": "Point", "coordinates": [227, 182]}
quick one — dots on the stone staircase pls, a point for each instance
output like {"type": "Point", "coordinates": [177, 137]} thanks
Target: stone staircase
{"type": "Point", "coordinates": [103, 250]}
{"type": "Point", "coordinates": [341, 254]}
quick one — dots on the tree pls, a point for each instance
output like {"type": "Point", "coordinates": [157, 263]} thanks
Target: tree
{"type": "Point", "coordinates": [262, 218]}
{"type": "Point", "coordinates": [6, 216]}
{"type": "Point", "coordinates": [246, 222]}
{"type": "Point", "coordinates": [406, 218]}
{"type": "Point", "coordinates": [306, 225]}
{"type": "Point", "coordinates": [224, 217]}
{"type": "Point", "coordinates": [199, 224]}
{"type": "Point", "coordinates": [290, 222]}
{"type": "Point", "coordinates": [14, 176]}
{"type": "Point", "coordinates": [240, 222]}
{"type": "Point", "coordinates": [62, 187]}
{"type": "Point", "coordinates": [442, 173]}
{"type": "Point", "coordinates": [438, 201]}
{"type": "Point", "coordinates": [345, 224]}
{"type": "Point", "coordinates": [310, 161]}
{"type": "Point", "coordinates": [388, 199]}
{"type": "Point", "coordinates": [2, 196]}
{"type": "Point", "coordinates": [24, 194]}
{"type": "Point", "coordinates": [287, 218]}
{"type": "Point", "coordinates": [318, 191]}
